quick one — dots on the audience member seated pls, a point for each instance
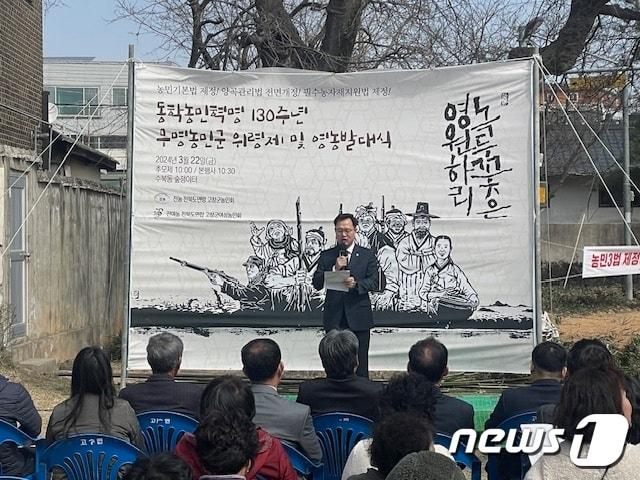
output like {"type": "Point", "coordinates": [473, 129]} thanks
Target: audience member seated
{"type": "Point", "coordinates": [290, 421]}
{"type": "Point", "coordinates": [585, 353]}
{"type": "Point", "coordinates": [161, 466]}
{"type": "Point", "coordinates": [426, 465]}
{"type": "Point", "coordinates": [429, 357]}
{"type": "Point", "coordinates": [588, 391]}
{"type": "Point", "coordinates": [408, 393]}
{"type": "Point", "coordinates": [226, 443]}
{"type": "Point", "coordinates": [231, 396]}
{"type": "Point", "coordinates": [633, 394]}
{"type": "Point", "coordinates": [341, 390]}
{"type": "Point", "coordinates": [16, 407]}
{"type": "Point", "coordinates": [548, 361]}
{"type": "Point", "coordinates": [93, 406]}
{"type": "Point", "coordinates": [394, 437]}
{"type": "Point", "coordinates": [161, 391]}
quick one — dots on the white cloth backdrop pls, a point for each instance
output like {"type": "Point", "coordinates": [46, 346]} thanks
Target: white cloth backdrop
{"type": "Point", "coordinates": [216, 151]}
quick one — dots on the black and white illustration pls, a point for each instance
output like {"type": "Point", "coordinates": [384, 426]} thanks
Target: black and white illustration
{"type": "Point", "coordinates": [237, 179]}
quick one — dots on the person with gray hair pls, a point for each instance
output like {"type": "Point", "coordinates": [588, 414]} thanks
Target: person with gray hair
{"type": "Point", "coordinates": [341, 390]}
{"type": "Point", "coordinates": [161, 391]}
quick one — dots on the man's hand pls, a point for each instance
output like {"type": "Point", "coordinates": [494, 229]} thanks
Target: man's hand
{"type": "Point", "coordinates": [214, 278]}
{"type": "Point", "coordinates": [350, 282]}
{"type": "Point", "coordinates": [255, 231]}
{"type": "Point", "coordinates": [341, 262]}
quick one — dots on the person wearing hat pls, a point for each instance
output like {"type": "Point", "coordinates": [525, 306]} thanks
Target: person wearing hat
{"type": "Point", "coordinates": [395, 222]}
{"type": "Point", "coordinates": [254, 295]}
{"type": "Point", "coordinates": [279, 247]}
{"type": "Point", "coordinates": [349, 309]}
{"type": "Point", "coordinates": [291, 282]}
{"type": "Point", "coordinates": [368, 235]}
{"type": "Point", "coordinates": [415, 253]}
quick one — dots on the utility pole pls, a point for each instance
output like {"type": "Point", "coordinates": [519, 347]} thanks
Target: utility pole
{"type": "Point", "coordinates": [626, 187]}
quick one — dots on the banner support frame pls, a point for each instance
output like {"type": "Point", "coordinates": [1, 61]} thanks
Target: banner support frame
{"type": "Point", "coordinates": [124, 349]}
{"type": "Point", "coordinates": [537, 161]}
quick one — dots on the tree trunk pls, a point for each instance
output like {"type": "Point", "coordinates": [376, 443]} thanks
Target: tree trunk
{"type": "Point", "coordinates": [341, 30]}
{"type": "Point", "coordinates": [561, 54]}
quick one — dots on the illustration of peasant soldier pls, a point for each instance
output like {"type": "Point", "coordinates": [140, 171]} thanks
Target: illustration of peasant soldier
{"type": "Point", "coordinates": [278, 249]}
{"type": "Point", "coordinates": [415, 253]}
{"type": "Point", "coordinates": [446, 292]}
{"type": "Point", "coordinates": [292, 282]}
{"type": "Point", "coordinates": [368, 234]}
{"type": "Point", "coordinates": [395, 222]}
{"type": "Point", "coordinates": [254, 295]}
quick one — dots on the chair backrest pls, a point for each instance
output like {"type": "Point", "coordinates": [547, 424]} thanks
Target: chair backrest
{"type": "Point", "coordinates": [462, 458]}
{"type": "Point", "coordinates": [162, 430]}
{"type": "Point", "coordinates": [506, 425]}
{"type": "Point", "coordinates": [302, 464]}
{"type": "Point", "coordinates": [89, 457]}
{"type": "Point", "coordinates": [11, 433]}
{"type": "Point", "coordinates": [338, 434]}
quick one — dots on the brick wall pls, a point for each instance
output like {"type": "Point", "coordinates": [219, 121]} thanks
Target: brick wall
{"type": "Point", "coordinates": [20, 70]}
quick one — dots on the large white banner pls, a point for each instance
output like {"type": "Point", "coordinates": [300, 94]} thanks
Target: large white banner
{"type": "Point", "coordinates": [238, 176]}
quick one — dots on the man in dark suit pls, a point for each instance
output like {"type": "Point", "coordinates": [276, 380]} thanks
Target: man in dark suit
{"type": "Point", "coordinates": [351, 309]}
{"type": "Point", "coordinates": [161, 391]}
{"type": "Point", "coordinates": [342, 390]}
{"type": "Point", "coordinates": [548, 361]}
{"type": "Point", "coordinates": [429, 357]}
{"type": "Point", "coordinates": [286, 420]}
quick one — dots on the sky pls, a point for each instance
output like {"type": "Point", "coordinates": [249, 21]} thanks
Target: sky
{"type": "Point", "coordinates": [82, 28]}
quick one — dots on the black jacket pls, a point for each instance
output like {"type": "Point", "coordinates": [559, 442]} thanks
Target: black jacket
{"type": "Point", "coordinates": [451, 414]}
{"type": "Point", "coordinates": [354, 394]}
{"type": "Point", "coordinates": [16, 407]}
{"type": "Point", "coordinates": [524, 399]}
{"type": "Point", "coordinates": [520, 400]}
{"type": "Point", "coordinates": [354, 305]}
{"type": "Point", "coordinates": [162, 392]}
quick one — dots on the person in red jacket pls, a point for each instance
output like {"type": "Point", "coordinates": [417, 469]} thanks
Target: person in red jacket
{"type": "Point", "coordinates": [230, 394]}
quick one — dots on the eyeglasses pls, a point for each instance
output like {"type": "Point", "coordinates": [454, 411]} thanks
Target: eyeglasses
{"type": "Point", "coordinates": [350, 230]}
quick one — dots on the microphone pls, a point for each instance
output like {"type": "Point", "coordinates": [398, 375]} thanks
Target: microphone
{"type": "Point", "coordinates": [343, 253]}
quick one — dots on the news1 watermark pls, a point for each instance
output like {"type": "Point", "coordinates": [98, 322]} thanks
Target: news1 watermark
{"type": "Point", "coordinates": [605, 448]}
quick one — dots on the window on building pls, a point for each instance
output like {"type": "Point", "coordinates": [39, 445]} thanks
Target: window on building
{"type": "Point", "coordinates": [113, 141]}
{"type": "Point", "coordinates": [614, 183]}
{"type": "Point", "coordinates": [75, 101]}
{"type": "Point", "coordinates": [119, 96]}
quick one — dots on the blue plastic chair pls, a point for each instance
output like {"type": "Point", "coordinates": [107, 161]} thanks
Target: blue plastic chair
{"type": "Point", "coordinates": [11, 433]}
{"type": "Point", "coordinates": [509, 424]}
{"type": "Point", "coordinates": [303, 464]}
{"type": "Point", "coordinates": [338, 434]}
{"type": "Point", "coordinates": [162, 430]}
{"type": "Point", "coordinates": [462, 458]}
{"type": "Point", "coordinates": [88, 457]}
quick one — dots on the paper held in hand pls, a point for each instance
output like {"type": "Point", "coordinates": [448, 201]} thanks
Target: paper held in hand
{"type": "Point", "coordinates": [335, 280]}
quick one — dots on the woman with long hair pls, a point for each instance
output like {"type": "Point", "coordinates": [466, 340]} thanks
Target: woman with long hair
{"type": "Point", "coordinates": [93, 406]}
{"type": "Point", "coordinates": [588, 391]}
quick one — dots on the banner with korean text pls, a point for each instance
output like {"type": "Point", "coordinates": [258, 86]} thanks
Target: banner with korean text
{"type": "Point", "coordinates": [237, 177]}
{"type": "Point", "coordinates": [610, 261]}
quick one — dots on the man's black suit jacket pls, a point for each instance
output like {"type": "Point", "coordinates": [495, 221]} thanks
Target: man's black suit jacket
{"type": "Point", "coordinates": [353, 394]}
{"type": "Point", "coordinates": [451, 414]}
{"type": "Point", "coordinates": [162, 392]}
{"type": "Point", "coordinates": [524, 399]}
{"type": "Point", "coordinates": [354, 305]}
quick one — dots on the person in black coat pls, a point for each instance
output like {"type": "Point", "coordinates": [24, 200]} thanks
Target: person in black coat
{"type": "Point", "coordinates": [429, 357]}
{"type": "Point", "coordinates": [342, 390]}
{"type": "Point", "coordinates": [351, 309]}
{"type": "Point", "coordinates": [548, 361]}
{"type": "Point", "coordinates": [161, 391]}
{"type": "Point", "coordinates": [16, 407]}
